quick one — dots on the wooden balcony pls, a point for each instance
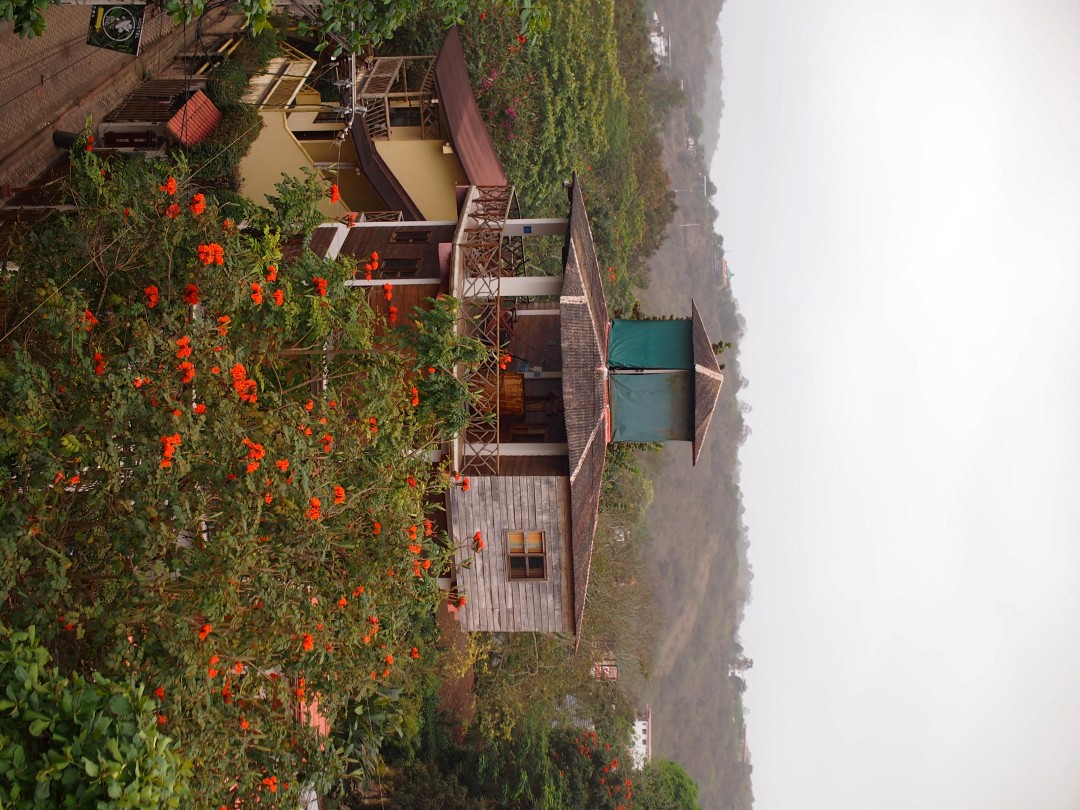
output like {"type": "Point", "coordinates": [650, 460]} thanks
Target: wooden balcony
{"type": "Point", "coordinates": [394, 85]}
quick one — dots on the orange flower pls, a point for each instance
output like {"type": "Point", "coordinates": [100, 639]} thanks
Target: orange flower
{"type": "Point", "coordinates": [342, 602]}
{"type": "Point", "coordinates": [212, 253]}
{"type": "Point", "coordinates": [223, 325]}
{"type": "Point", "coordinates": [415, 549]}
{"type": "Point", "coordinates": [187, 372]}
{"type": "Point", "coordinates": [152, 296]}
{"type": "Point", "coordinates": [309, 642]}
{"type": "Point", "coordinates": [271, 783]}
{"type": "Point", "coordinates": [159, 693]}
{"type": "Point", "coordinates": [389, 659]}
{"type": "Point", "coordinates": [215, 370]}
{"type": "Point", "coordinates": [315, 512]}
{"type": "Point", "coordinates": [173, 211]}
{"type": "Point", "coordinates": [465, 485]}
{"type": "Point", "coordinates": [191, 295]}
{"type": "Point", "coordinates": [198, 204]}
{"type": "Point", "coordinates": [162, 719]}
{"type": "Point", "coordinates": [279, 298]}
{"type": "Point", "coordinates": [309, 405]}
{"type": "Point", "coordinates": [320, 286]}
{"type": "Point", "coordinates": [393, 314]}
{"type": "Point", "coordinates": [411, 481]}
{"type": "Point", "coordinates": [374, 255]}
{"type": "Point", "coordinates": [414, 652]}
{"type": "Point", "coordinates": [200, 409]}
{"type": "Point", "coordinates": [206, 630]}
{"type": "Point", "coordinates": [99, 364]}
{"type": "Point", "coordinates": [282, 464]}
{"type": "Point", "coordinates": [388, 290]}
{"type": "Point", "coordinates": [339, 494]}
{"type": "Point", "coordinates": [244, 724]}
{"type": "Point", "coordinates": [169, 187]}
{"type": "Point", "coordinates": [271, 273]}
{"type": "Point", "coordinates": [335, 193]}
{"type": "Point", "coordinates": [252, 467]}
{"type": "Point", "coordinates": [376, 527]}
{"type": "Point", "coordinates": [256, 293]}
{"type": "Point", "coordinates": [185, 347]}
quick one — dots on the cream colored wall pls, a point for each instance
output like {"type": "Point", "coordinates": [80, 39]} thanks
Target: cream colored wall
{"type": "Point", "coordinates": [276, 152]}
{"type": "Point", "coordinates": [428, 175]}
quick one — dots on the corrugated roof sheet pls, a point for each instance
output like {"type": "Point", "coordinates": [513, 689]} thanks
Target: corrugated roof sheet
{"type": "Point", "coordinates": [468, 132]}
{"type": "Point", "coordinates": [583, 312]}
{"type": "Point", "coordinates": [195, 121]}
{"type": "Point", "coordinates": [708, 380]}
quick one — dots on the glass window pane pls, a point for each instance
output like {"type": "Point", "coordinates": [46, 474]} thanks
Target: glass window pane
{"type": "Point", "coordinates": [517, 542]}
{"type": "Point", "coordinates": [535, 542]}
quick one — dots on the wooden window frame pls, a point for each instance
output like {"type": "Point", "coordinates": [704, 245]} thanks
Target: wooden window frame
{"type": "Point", "coordinates": [393, 267]}
{"type": "Point", "coordinates": [417, 237]}
{"type": "Point", "coordinates": [531, 559]}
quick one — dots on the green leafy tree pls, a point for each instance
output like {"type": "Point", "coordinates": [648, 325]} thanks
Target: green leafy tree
{"type": "Point", "coordinates": [664, 785]}
{"type": "Point", "coordinates": [217, 460]}
{"type": "Point", "coordinates": [70, 742]}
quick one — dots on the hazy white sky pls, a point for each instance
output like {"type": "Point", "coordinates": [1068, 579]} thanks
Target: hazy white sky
{"type": "Point", "coordinates": [899, 192]}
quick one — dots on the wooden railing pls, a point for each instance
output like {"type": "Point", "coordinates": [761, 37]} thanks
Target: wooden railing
{"type": "Point", "coordinates": [484, 255]}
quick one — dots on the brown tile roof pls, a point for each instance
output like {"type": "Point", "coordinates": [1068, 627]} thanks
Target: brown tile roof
{"type": "Point", "coordinates": [583, 312]}
{"type": "Point", "coordinates": [708, 380]}
{"type": "Point", "coordinates": [195, 121]}
{"type": "Point", "coordinates": [468, 132]}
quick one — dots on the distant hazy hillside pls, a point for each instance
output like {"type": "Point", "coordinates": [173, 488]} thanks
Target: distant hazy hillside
{"type": "Point", "coordinates": [699, 542]}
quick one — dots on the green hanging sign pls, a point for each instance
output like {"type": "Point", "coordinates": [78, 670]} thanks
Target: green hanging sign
{"type": "Point", "coordinates": [116, 28]}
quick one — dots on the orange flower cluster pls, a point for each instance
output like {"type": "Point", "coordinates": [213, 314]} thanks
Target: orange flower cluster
{"type": "Point", "coordinates": [371, 266]}
{"type": "Point", "coordinates": [191, 295]}
{"type": "Point", "coordinates": [282, 464]}
{"type": "Point", "coordinates": [206, 630]}
{"type": "Point", "coordinates": [185, 348]}
{"type": "Point", "coordinates": [335, 193]}
{"type": "Point", "coordinates": [373, 424]}
{"type": "Point", "coordinates": [212, 254]}
{"type": "Point", "coordinates": [187, 372]}
{"type": "Point", "coordinates": [271, 783]}
{"type": "Point", "coordinates": [308, 642]}
{"type": "Point", "coordinates": [339, 494]}
{"type": "Point", "coordinates": [256, 293]}
{"type": "Point", "coordinates": [279, 297]}
{"type": "Point", "coordinates": [414, 652]}
{"type": "Point", "coordinates": [415, 400]}
{"type": "Point", "coordinates": [271, 273]}
{"type": "Point", "coordinates": [411, 480]}
{"type": "Point", "coordinates": [169, 187]}
{"type": "Point", "coordinates": [376, 527]}
{"type": "Point", "coordinates": [198, 204]}
{"type": "Point", "coordinates": [173, 211]}
{"type": "Point", "coordinates": [478, 541]}
{"type": "Point", "coordinates": [392, 314]}
{"type": "Point", "coordinates": [168, 448]}
{"type": "Point", "coordinates": [327, 442]}
{"type": "Point", "coordinates": [388, 291]}
{"type": "Point", "coordinates": [315, 512]}
{"type": "Point", "coordinates": [223, 325]}
{"type": "Point", "coordinates": [153, 295]}
{"type": "Point", "coordinates": [99, 364]}
{"type": "Point", "coordinates": [200, 409]}
{"type": "Point", "coordinates": [228, 226]}
{"type": "Point", "coordinates": [465, 485]}
{"type": "Point", "coordinates": [245, 388]}
{"type": "Point", "coordinates": [320, 285]}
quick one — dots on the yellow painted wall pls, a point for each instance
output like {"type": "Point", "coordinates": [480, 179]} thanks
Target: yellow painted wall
{"type": "Point", "coordinates": [276, 152]}
{"type": "Point", "coordinates": [428, 175]}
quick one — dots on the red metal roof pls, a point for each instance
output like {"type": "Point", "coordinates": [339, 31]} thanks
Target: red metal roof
{"type": "Point", "coordinates": [195, 121]}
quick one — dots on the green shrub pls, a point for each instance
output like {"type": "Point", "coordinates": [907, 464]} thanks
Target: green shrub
{"type": "Point", "coordinates": [216, 161]}
{"type": "Point", "coordinates": [69, 742]}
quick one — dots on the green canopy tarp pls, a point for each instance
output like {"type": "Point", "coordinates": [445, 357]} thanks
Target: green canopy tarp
{"type": "Point", "coordinates": [652, 406]}
{"type": "Point", "coordinates": [651, 344]}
